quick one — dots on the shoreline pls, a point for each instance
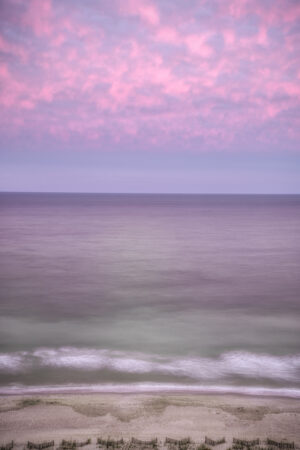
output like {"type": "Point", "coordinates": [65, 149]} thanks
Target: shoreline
{"type": "Point", "coordinates": [152, 393]}
{"type": "Point", "coordinates": [151, 389]}
{"type": "Point", "coordinates": [145, 415]}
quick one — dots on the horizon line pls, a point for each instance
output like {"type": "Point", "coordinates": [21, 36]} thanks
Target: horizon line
{"type": "Point", "coordinates": [149, 193]}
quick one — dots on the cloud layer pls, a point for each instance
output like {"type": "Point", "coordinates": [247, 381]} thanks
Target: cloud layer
{"type": "Point", "coordinates": [146, 74]}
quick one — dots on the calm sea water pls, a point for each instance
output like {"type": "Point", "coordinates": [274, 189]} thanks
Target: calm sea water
{"type": "Point", "coordinates": [150, 292]}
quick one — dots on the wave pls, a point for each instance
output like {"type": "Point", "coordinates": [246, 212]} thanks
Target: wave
{"type": "Point", "coordinates": [234, 363]}
{"type": "Point", "coordinates": [136, 388]}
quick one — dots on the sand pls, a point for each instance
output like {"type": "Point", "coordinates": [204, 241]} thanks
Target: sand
{"type": "Point", "coordinates": [82, 416]}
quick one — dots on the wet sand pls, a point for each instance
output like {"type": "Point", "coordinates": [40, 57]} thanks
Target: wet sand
{"type": "Point", "coordinates": [82, 416]}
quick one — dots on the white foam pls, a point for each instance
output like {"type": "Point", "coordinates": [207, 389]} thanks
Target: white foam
{"type": "Point", "coordinates": [85, 359]}
{"type": "Point", "coordinates": [230, 364]}
{"type": "Point", "coordinates": [150, 388]}
{"type": "Point", "coordinates": [12, 362]}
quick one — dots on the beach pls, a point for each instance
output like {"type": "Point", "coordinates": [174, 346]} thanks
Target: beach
{"type": "Point", "coordinates": [145, 416]}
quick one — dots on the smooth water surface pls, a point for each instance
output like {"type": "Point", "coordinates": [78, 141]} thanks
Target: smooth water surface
{"type": "Point", "coordinates": [150, 290]}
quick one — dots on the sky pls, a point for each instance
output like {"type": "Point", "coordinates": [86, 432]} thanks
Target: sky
{"type": "Point", "coordinates": [198, 96]}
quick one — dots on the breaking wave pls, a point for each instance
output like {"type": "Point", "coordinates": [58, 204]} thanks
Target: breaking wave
{"type": "Point", "coordinates": [234, 363]}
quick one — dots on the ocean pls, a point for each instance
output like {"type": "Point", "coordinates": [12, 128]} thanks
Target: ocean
{"type": "Point", "coordinates": [142, 292]}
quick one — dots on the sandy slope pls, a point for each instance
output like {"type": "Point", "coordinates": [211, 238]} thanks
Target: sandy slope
{"type": "Point", "coordinates": [143, 416]}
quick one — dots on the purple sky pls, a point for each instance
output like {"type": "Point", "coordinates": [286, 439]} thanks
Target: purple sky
{"type": "Point", "coordinates": [150, 95]}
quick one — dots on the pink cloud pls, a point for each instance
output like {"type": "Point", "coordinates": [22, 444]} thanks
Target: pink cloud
{"type": "Point", "coordinates": [94, 73]}
{"type": "Point", "coordinates": [196, 43]}
{"type": "Point", "coordinates": [13, 49]}
{"type": "Point", "coordinates": [145, 9]}
{"type": "Point", "coordinates": [262, 37]}
{"type": "Point", "coordinates": [46, 93]}
{"type": "Point", "coordinates": [11, 89]}
{"type": "Point", "coordinates": [168, 34]}
{"type": "Point", "coordinates": [58, 40]}
{"type": "Point", "coordinates": [38, 16]}
{"type": "Point", "coordinates": [236, 8]}
{"type": "Point", "coordinates": [229, 37]}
